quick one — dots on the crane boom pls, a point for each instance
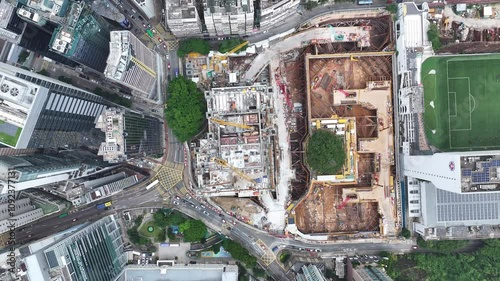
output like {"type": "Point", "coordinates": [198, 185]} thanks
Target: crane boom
{"type": "Point", "coordinates": [232, 124]}
{"type": "Point", "coordinates": [223, 163]}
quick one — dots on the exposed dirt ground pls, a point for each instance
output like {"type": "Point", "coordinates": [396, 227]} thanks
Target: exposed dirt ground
{"type": "Point", "coordinates": [323, 212]}
{"type": "Point", "coordinates": [329, 74]}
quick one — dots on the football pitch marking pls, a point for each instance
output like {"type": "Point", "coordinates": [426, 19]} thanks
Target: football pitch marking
{"type": "Point", "coordinates": [471, 105]}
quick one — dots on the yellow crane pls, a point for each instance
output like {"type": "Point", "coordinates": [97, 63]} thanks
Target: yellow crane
{"type": "Point", "coordinates": [232, 124]}
{"type": "Point", "coordinates": [232, 51]}
{"type": "Point", "coordinates": [223, 163]}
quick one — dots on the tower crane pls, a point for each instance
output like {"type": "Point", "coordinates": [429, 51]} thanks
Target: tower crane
{"type": "Point", "coordinates": [232, 124]}
{"type": "Point", "coordinates": [223, 163]}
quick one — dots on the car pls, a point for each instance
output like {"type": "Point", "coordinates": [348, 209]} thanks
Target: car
{"type": "Point", "coordinates": [310, 250]}
{"type": "Point", "coordinates": [144, 25]}
{"type": "Point", "coordinates": [176, 203]}
{"type": "Point", "coordinates": [265, 31]}
{"type": "Point", "coordinates": [223, 221]}
{"type": "Point", "coordinates": [74, 219]}
{"type": "Point", "coordinates": [196, 207]}
{"type": "Point", "coordinates": [177, 197]}
{"type": "Point", "coordinates": [221, 215]}
{"type": "Point", "coordinates": [30, 235]}
{"type": "Point", "coordinates": [133, 17]}
{"type": "Point", "coordinates": [188, 196]}
{"type": "Point", "coordinates": [168, 65]}
{"type": "Point", "coordinates": [318, 250]}
{"type": "Point", "coordinates": [192, 205]}
{"type": "Point", "coordinates": [203, 206]}
{"type": "Point", "coordinates": [301, 249]}
{"type": "Point", "coordinates": [134, 11]}
{"type": "Point", "coordinates": [206, 213]}
{"type": "Point", "coordinates": [141, 18]}
{"type": "Point", "coordinates": [234, 222]}
{"type": "Point", "coordinates": [165, 47]}
{"type": "Point", "coordinates": [160, 40]}
{"type": "Point", "coordinates": [192, 262]}
{"type": "Point", "coordinates": [149, 25]}
{"type": "Point", "coordinates": [414, 247]}
{"type": "Point", "coordinates": [167, 56]}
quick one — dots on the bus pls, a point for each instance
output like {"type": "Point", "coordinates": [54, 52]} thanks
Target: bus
{"type": "Point", "coordinates": [150, 33]}
{"type": "Point", "coordinates": [151, 185]}
{"type": "Point", "coordinates": [365, 2]}
{"type": "Point", "coordinates": [100, 206]}
{"type": "Point", "coordinates": [63, 215]}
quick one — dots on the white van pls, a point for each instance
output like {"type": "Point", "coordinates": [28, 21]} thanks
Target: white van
{"type": "Point", "coordinates": [134, 11]}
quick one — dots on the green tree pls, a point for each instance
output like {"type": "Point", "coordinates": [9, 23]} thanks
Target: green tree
{"type": "Point", "coordinates": [160, 219]}
{"type": "Point", "coordinates": [392, 8]}
{"type": "Point", "coordinates": [170, 234]}
{"type": "Point", "coordinates": [65, 79]}
{"type": "Point", "coordinates": [405, 233]}
{"type": "Point", "coordinates": [238, 252]}
{"type": "Point", "coordinates": [258, 271]}
{"type": "Point", "coordinates": [161, 236]}
{"type": "Point", "coordinates": [138, 221]}
{"type": "Point", "coordinates": [285, 256]}
{"type": "Point", "coordinates": [23, 56]}
{"type": "Point", "coordinates": [195, 231]}
{"type": "Point", "coordinates": [229, 44]}
{"type": "Point", "coordinates": [433, 35]}
{"type": "Point", "coordinates": [325, 152]}
{"type": "Point", "coordinates": [186, 109]}
{"type": "Point", "coordinates": [187, 46]}
{"type": "Point", "coordinates": [135, 238]}
{"type": "Point", "coordinates": [216, 248]}
{"type": "Point", "coordinates": [311, 5]}
{"type": "Point", "coordinates": [175, 218]}
{"type": "Point", "coordinates": [43, 72]}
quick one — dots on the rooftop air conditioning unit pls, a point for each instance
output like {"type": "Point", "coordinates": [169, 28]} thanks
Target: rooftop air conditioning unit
{"type": "Point", "coordinates": [4, 88]}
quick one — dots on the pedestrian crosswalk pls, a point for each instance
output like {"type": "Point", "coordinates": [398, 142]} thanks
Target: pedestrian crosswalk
{"type": "Point", "coordinates": [268, 257]}
{"type": "Point", "coordinates": [169, 175]}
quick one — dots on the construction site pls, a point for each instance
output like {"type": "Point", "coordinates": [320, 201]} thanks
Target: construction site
{"type": "Point", "coordinates": [351, 95]}
{"type": "Point", "coordinates": [234, 159]}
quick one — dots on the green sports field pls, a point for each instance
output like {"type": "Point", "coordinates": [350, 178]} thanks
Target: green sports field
{"type": "Point", "coordinates": [462, 102]}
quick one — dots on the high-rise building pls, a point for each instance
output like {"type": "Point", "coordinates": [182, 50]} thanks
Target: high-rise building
{"type": "Point", "coordinates": [38, 170]}
{"type": "Point", "coordinates": [93, 253]}
{"type": "Point", "coordinates": [129, 134]}
{"type": "Point", "coordinates": [369, 274]}
{"type": "Point", "coordinates": [40, 112]}
{"type": "Point", "coordinates": [235, 17]}
{"type": "Point", "coordinates": [182, 18]}
{"type": "Point", "coordinates": [11, 27]}
{"type": "Point", "coordinates": [310, 273]}
{"type": "Point", "coordinates": [273, 12]}
{"type": "Point", "coordinates": [81, 34]}
{"type": "Point", "coordinates": [23, 213]}
{"type": "Point", "coordinates": [135, 66]}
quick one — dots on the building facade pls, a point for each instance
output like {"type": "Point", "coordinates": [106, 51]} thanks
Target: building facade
{"type": "Point", "coordinates": [31, 171]}
{"type": "Point", "coordinates": [235, 17]}
{"type": "Point", "coordinates": [134, 65]}
{"type": "Point", "coordinates": [23, 213]}
{"type": "Point", "coordinates": [81, 35]}
{"type": "Point", "coordinates": [129, 134]}
{"type": "Point", "coordinates": [40, 112]}
{"type": "Point", "coordinates": [182, 18]}
{"type": "Point", "coordinates": [94, 253]}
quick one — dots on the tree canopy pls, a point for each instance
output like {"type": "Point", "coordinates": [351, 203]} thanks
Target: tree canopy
{"type": "Point", "coordinates": [238, 252]}
{"type": "Point", "coordinates": [193, 230]}
{"type": "Point", "coordinates": [325, 152]}
{"type": "Point", "coordinates": [229, 44]}
{"type": "Point", "coordinates": [433, 35]}
{"type": "Point", "coordinates": [483, 264]}
{"type": "Point", "coordinates": [193, 45]}
{"type": "Point", "coordinates": [186, 108]}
